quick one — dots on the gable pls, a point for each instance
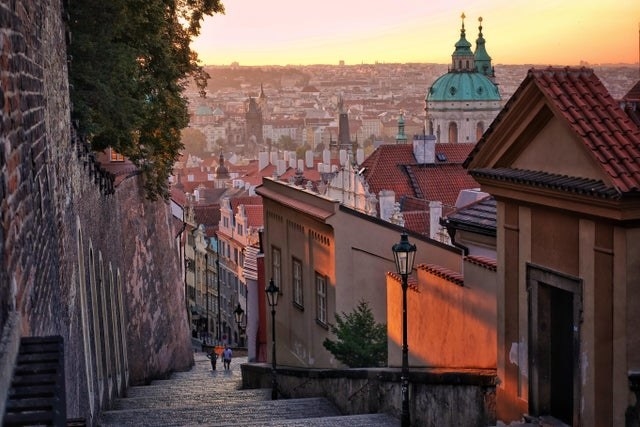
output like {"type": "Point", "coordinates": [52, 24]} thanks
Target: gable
{"type": "Point", "coordinates": [556, 150]}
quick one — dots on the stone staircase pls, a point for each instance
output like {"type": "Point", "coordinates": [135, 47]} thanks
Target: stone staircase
{"type": "Point", "coordinates": [204, 397]}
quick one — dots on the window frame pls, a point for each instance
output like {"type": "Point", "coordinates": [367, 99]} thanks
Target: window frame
{"type": "Point", "coordinates": [321, 299]}
{"type": "Point", "coordinates": [297, 281]}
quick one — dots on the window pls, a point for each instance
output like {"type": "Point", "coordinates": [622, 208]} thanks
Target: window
{"type": "Point", "coordinates": [453, 132]}
{"type": "Point", "coordinates": [297, 282]}
{"type": "Point", "coordinates": [239, 229]}
{"type": "Point", "coordinates": [275, 267]}
{"type": "Point", "coordinates": [116, 157]}
{"type": "Point", "coordinates": [225, 222]}
{"type": "Point", "coordinates": [321, 299]}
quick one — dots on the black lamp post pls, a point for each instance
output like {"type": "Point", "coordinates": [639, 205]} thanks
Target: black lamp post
{"type": "Point", "coordinates": [272, 297]}
{"type": "Point", "coordinates": [206, 279]}
{"type": "Point", "coordinates": [404, 254]}
{"type": "Point", "coordinates": [219, 335]}
{"type": "Point", "coordinates": [239, 314]}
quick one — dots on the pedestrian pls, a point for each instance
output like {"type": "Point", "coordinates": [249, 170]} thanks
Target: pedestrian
{"type": "Point", "coordinates": [226, 357]}
{"type": "Point", "coordinates": [213, 356]}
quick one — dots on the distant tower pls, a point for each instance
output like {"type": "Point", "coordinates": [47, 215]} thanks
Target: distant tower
{"type": "Point", "coordinates": [222, 173]}
{"type": "Point", "coordinates": [461, 104]}
{"type": "Point", "coordinates": [253, 117]}
{"type": "Point", "coordinates": [262, 104]}
{"type": "Point", "coordinates": [401, 138]}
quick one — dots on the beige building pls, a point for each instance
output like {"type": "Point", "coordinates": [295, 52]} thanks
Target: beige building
{"type": "Point", "coordinates": [563, 163]}
{"type": "Point", "coordinates": [326, 258]}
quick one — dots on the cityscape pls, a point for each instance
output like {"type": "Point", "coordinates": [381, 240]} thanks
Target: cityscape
{"type": "Point", "coordinates": [380, 242]}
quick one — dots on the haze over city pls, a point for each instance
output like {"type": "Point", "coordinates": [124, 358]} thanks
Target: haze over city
{"type": "Point", "coordinates": [293, 32]}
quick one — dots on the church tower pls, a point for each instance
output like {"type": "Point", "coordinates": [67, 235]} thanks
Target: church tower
{"type": "Point", "coordinates": [461, 104]}
{"type": "Point", "coordinates": [253, 117]}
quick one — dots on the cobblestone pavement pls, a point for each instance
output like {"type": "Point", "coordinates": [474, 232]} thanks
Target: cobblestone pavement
{"type": "Point", "coordinates": [202, 397]}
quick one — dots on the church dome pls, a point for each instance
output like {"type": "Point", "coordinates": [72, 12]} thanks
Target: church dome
{"type": "Point", "coordinates": [221, 171]}
{"type": "Point", "coordinates": [463, 86]}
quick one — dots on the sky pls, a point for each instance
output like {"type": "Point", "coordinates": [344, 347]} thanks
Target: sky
{"type": "Point", "coordinates": [302, 32]}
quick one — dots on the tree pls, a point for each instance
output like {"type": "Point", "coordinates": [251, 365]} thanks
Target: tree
{"type": "Point", "coordinates": [130, 60]}
{"type": "Point", "coordinates": [361, 342]}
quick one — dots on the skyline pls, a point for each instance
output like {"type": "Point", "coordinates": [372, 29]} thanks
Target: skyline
{"type": "Point", "coordinates": [289, 32]}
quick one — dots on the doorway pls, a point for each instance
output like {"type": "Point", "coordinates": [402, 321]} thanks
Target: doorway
{"type": "Point", "coordinates": [554, 338]}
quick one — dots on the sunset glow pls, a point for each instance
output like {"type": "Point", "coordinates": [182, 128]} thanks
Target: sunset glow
{"type": "Point", "coordinates": [547, 32]}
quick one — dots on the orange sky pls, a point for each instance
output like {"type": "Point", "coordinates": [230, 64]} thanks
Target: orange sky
{"type": "Point", "coordinates": [299, 32]}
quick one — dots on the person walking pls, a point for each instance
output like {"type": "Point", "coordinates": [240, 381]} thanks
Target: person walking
{"type": "Point", "coordinates": [213, 356]}
{"type": "Point", "coordinates": [226, 357]}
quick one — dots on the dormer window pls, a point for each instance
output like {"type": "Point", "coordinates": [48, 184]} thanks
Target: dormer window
{"type": "Point", "coordinates": [116, 157]}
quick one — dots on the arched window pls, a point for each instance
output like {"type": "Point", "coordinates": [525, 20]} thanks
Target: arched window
{"type": "Point", "coordinates": [479, 130]}
{"type": "Point", "coordinates": [453, 132]}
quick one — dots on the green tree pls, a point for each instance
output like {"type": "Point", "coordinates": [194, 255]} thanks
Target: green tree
{"type": "Point", "coordinates": [130, 61]}
{"type": "Point", "coordinates": [361, 342]}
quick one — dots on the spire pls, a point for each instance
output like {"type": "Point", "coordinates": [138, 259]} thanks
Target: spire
{"type": "Point", "coordinates": [482, 58]}
{"type": "Point", "coordinates": [262, 94]}
{"type": "Point", "coordinates": [462, 57]}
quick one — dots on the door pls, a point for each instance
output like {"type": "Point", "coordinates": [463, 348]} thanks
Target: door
{"type": "Point", "coordinates": [554, 326]}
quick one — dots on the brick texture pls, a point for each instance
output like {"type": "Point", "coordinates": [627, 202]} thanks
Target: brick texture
{"type": "Point", "coordinates": [67, 234]}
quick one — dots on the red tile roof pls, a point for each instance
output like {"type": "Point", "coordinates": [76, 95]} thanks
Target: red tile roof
{"type": "Point", "coordinates": [578, 96]}
{"type": "Point", "coordinates": [254, 215]}
{"type": "Point", "coordinates": [394, 167]}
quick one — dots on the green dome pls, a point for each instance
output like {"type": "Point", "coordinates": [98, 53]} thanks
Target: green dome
{"type": "Point", "coordinates": [463, 86]}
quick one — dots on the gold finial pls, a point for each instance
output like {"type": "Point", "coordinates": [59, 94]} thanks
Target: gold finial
{"type": "Point", "coordinates": [480, 20]}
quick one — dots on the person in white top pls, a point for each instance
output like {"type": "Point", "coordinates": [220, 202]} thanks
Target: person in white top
{"type": "Point", "coordinates": [226, 357]}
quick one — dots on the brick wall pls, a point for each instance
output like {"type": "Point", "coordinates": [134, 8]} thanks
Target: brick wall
{"type": "Point", "coordinates": [80, 258]}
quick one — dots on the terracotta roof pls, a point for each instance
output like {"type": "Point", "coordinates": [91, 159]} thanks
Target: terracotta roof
{"type": "Point", "coordinates": [578, 96]}
{"type": "Point", "coordinates": [393, 167]}
{"type": "Point", "coordinates": [417, 221]}
{"type": "Point", "coordinates": [488, 263]}
{"type": "Point", "coordinates": [254, 215]}
{"type": "Point", "coordinates": [445, 273]}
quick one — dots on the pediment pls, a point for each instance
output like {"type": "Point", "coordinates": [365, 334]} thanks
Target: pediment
{"type": "Point", "coordinates": [555, 149]}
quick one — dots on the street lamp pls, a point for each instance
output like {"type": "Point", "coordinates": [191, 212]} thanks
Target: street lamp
{"type": "Point", "coordinates": [272, 297]}
{"type": "Point", "coordinates": [404, 254]}
{"type": "Point", "coordinates": [206, 279]}
{"type": "Point", "coordinates": [239, 314]}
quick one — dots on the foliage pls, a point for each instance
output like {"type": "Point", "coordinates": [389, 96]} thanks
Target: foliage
{"type": "Point", "coordinates": [361, 342]}
{"type": "Point", "coordinates": [130, 60]}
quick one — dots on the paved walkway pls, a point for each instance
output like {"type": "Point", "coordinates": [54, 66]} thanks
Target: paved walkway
{"type": "Point", "coordinates": [202, 397]}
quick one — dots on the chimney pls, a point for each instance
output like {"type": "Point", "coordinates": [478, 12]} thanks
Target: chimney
{"type": "Point", "coordinates": [308, 158]}
{"type": "Point", "coordinates": [435, 213]}
{"type": "Point", "coordinates": [424, 149]}
{"type": "Point", "coordinates": [386, 198]}
{"type": "Point", "coordinates": [301, 164]}
{"type": "Point", "coordinates": [282, 167]}
{"type": "Point", "coordinates": [292, 159]}
{"type": "Point", "coordinates": [263, 160]}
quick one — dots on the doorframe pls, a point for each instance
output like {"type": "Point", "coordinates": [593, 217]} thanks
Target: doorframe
{"type": "Point", "coordinates": [536, 276]}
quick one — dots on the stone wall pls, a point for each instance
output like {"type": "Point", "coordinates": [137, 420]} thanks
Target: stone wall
{"type": "Point", "coordinates": [79, 257]}
{"type": "Point", "coordinates": [436, 397]}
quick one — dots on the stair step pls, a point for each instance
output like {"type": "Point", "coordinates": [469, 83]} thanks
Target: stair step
{"type": "Point", "coordinates": [211, 397]}
{"type": "Point", "coordinates": [242, 413]}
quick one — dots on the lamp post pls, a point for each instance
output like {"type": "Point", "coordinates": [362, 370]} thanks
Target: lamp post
{"type": "Point", "coordinates": [219, 335]}
{"type": "Point", "coordinates": [239, 314]}
{"type": "Point", "coordinates": [206, 279]}
{"type": "Point", "coordinates": [272, 297]}
{"type": "Point", "coordinates": [404, 254]}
